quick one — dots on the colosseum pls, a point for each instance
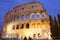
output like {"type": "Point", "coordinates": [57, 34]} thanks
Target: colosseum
{"type": "Point", "coordinates": [27, 20]}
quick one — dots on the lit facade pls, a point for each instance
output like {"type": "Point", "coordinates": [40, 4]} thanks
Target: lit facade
{"type": "Point", "coordinates": [27, 20]}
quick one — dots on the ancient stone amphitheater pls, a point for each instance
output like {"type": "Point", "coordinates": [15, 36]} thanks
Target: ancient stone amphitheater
{"type": "Point", "coordinates": [27, 20]}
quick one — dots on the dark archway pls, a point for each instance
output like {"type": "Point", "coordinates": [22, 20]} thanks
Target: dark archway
{"type": "Point", "coordinates": [14, 27]}
{"type": "Point", "coordinates": [22, 26]}
{"type": "Point", "coordinates": [17, 27]}
{"type": "Point", "coordinates": [27, 25]}
{"type": "Point", "coordinates": [25, 38]}
{"type": "Point", "coordinates": [30, 38]}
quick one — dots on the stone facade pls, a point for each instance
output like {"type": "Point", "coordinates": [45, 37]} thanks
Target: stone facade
{"type": "Point", "coordinates": [27, 20]}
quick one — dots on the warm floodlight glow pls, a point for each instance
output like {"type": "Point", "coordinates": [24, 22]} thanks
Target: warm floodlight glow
{"type": "Point", "coordinates": [38, 25]}
{"type": "Point", "coordinates": [9, 28]}
{"type": "Point", "coordinates": [45, 25]}
{"type": "Point", "coordinates": [46, 34]}
{"type": "Point", "coordinates": [33, 25]}
{"type": "Point", "coordinates": [29, 20]}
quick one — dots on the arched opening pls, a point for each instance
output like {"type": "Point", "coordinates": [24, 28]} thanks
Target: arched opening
{"type": "Point", "coordinates": [34, 35]}
{"type": "Point", "coordinates": [14, 19]}
{"type": "Point", "coordinates": [43, 15]}
{"type": "Point", "coordinates": [38, 25]}
{"type": "Point", "coordinates": [22, 17]}
{"type": "Point", "coordinates": [38, 35]}
{"type": "Point", "coordinates": [45, 25]}
{"type": "Point", "coordinates": [27, 16]}
{"type": "Point", "coordinates": [14, 27]}
{"type": "Point", "coordinates": [17, 27]}
{"type": "Point", "coordinates": [38, 15]}
{"type": "Point", "coordinates": [18, 18]}
{"type": "Point", "coordinates": [33, 25]}
{"type": "Point", "coordinates": [22, 26]}
{"type": "Point", "coordinates": [27, 25]}
{"type": "Point", "coordinates": [25, 38]}
{"type": "Point", "coordinates": [32, 16]}
{"type": "Point", "coordinates": [22, 8]}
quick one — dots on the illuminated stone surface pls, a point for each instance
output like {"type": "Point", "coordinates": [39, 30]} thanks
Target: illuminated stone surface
{"type": "Point", "coordinates": [17, 24]}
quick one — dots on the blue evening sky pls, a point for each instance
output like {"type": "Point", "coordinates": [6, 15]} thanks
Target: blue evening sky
{"type": "Point", "coordinates": [52, 7]}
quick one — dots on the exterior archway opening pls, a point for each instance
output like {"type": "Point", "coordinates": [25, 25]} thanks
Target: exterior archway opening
{"type": "Point", "coordinates": [27, 25]}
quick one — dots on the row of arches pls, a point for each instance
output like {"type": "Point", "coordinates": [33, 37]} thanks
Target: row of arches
{"type": "Point", "coordinates": [33, 16]}
{"type": "Point", "coordinates": [21, 27]}
{"type": "Point", "coordinates": [19, 36]}
{"type": "Point", "coordinates": [34, 36]}
{"type": "Point", "coordinates": [33, 25]}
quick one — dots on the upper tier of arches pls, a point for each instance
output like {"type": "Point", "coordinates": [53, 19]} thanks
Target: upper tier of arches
{"type": "Point", "coordinates": [22, 9]}
{"type": "Point", "coordinates": [25, 9]}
